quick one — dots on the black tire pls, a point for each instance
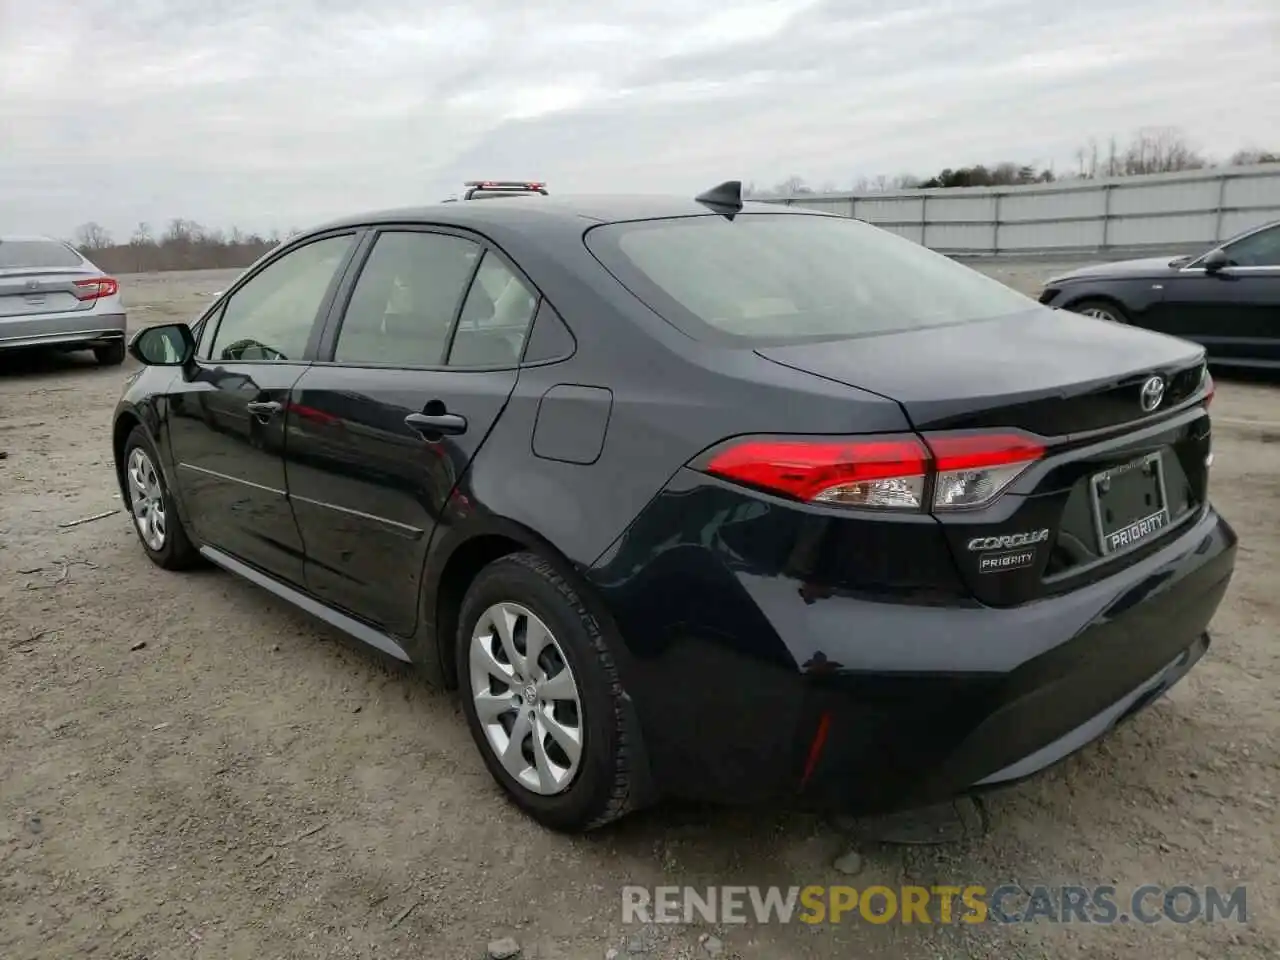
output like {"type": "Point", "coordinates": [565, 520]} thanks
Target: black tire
{"type": "Point", "coordinates": [601, 788]}
{"type": "Point", "coordinates": [1102, 309]}
{"type": "Point", "coordinates": [112, 355]}
{"type": "Point", "coordinates": [177, 552]}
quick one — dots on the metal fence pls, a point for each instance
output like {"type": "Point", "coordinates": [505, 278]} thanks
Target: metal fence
{"type": "Point", "coordinates": [1178, 212]}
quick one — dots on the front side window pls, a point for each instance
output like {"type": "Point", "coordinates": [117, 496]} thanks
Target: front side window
{"type": "Point", "coordinates": [404, 302]}
{"type": "Point", "coordinates": [271, 316]}
{"type": "Point", "coordinates": [1261, 249]}
{"type": "Point", "coordinates": [788, 277]}
{"type": "Point", "coordinates": [495, 318]}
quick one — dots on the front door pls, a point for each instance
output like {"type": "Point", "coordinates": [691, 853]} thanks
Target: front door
{"type": "Point", "coordinates": [421, 364]}
{"type": "Point", "coordinates": [1235, 311]}
{"type": "Point", "coordinates": [226, 414]}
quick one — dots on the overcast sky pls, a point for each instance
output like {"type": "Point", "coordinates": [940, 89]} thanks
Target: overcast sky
{"type": "Point", "coordinates": [279, 113]}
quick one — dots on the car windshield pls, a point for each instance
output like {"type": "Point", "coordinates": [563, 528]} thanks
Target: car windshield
{"type": "Point", "coordinates": [782, 277]}
{"type": "Point", "coordinates": [36, 254]}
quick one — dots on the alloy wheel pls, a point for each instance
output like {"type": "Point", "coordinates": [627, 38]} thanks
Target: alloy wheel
{"type": "Point", "coordinates": [1100, 313]}
{"type": "Point", "coordinates": [526, 698]}
{"type": "Point", "coordinates": [146, 499]}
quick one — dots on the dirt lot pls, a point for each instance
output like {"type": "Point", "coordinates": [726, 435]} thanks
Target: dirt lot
{"type": "Point", "coordinates": [249, 784]}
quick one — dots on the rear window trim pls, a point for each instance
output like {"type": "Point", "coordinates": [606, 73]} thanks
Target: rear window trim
{"type": "Point", "coordinates": [690, 325]}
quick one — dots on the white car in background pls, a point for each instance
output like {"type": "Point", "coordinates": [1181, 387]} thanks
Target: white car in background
{"type": "Point", "coordinates": [52, 296]}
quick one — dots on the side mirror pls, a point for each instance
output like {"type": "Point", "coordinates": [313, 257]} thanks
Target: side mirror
{"type": "Point", "coordinates": [164, 345]}
{"type": "Point", "coordinates": [1215, 260]}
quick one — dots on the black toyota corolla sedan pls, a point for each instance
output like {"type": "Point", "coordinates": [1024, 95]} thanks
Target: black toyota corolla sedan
{"type": "Point", "coordinates": [695, 498]}
{"type": "Point", "coordinates": [1227, 298]}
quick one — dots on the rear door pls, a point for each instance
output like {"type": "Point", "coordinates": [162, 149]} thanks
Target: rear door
{"type": "Point", "coordinates": [226, 413]}
{"type": "Point", "coordinates": [418, 362]}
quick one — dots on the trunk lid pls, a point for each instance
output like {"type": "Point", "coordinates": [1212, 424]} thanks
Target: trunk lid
{"type": "Point", "coordinates": [30, 291]}
{"type": "Point", "coordinates": [1116, 479]}
{"type": "Point", "coordinates": [1047, 371]}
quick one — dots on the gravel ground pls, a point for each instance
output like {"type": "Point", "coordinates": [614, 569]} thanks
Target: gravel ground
{"type": "Point", "coordinates": [191, 768]}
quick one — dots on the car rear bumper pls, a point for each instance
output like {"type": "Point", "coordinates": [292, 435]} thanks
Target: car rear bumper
{"type": "Point", "coordinates": [843, 702]}
{"type": "Point", "coordinates": [949, 732]}
{"type": "Point", "coordinates": [62, 329]}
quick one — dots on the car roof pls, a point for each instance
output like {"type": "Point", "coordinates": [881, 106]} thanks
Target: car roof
{"type": "Point", "coordinates": [563, 210]}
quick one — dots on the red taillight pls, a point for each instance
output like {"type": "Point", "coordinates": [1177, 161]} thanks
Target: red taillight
{"type": "Point", "coordinates": [884, 471]}
{"type": "Point", "coordinates": [960, 451]}
{"type": "Point", "coordinates": [967, 469]}
{"type": "Point", "coordinates": [1210, 388]}
{"type": "Point", "coordinates": [96, 288]}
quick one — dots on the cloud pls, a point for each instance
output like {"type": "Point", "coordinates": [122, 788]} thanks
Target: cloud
{"type": "Point", "coordinates": [285, 113]}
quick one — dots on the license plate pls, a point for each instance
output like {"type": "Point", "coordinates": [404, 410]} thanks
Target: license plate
{"type": "Point", "coordinates": [1129, 504]}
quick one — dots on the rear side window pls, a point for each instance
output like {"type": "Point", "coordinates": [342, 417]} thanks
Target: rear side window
{"type": "Point", "coordinates": [783, 277]}
{"type": "Point", "coordinates": [37, 254]}
{"type": "Point", "coordinates": [495, 319]}
{"type": "Point", "coordinates": [405, 299]}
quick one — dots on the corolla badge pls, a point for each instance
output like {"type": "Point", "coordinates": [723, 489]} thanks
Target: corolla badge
{"type": "Point", "coordinates": [1010, 540]}
{"type": "Point", "coordinates": [1152, 393]}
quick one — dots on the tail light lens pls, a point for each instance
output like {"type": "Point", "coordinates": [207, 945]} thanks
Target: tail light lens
{"type": "Point", "coordinates": [884, 471]}
{"type": "Point", "coordinates": [1210, 388]}
{"type": "Point", "coordinates": [880, 471]}
{"type": "Point", "coordinates": [96, 288]}
{"type": "Point", "coordinates": [974, 469]}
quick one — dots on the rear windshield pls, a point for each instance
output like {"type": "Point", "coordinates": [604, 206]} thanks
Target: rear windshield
{"type": "Point", "coordinates": [783, 277]}
{"type": "Point", "coordinates": [37, 253]}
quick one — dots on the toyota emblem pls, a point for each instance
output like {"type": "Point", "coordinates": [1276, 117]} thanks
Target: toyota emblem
{"type": "Point", "coordinates": [1152, 394]}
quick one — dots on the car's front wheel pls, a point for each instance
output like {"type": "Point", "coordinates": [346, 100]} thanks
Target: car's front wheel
{"type": "Point", "coordinates": [1101, 310]}
{"type": "Point", "coordinates": [541, 694]}
{"type": "Point", "coordinates": [154, 518]}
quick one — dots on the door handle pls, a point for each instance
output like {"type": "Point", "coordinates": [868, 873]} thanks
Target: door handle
{"type": "Point", "coordinates": [437, 424]}
{"type": "Point", "coordinates": [264, 410]}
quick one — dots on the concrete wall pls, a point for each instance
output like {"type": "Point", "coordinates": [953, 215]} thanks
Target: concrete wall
{"type": "Point", "coordinates": [1174, 211]}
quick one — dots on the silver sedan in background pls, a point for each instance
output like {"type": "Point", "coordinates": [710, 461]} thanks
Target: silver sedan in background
{"type": "Point", "coordinates": [52, 296]}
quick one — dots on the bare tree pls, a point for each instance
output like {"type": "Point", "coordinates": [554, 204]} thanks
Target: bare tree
{"type": "Point", "coordinates": [142, 244]}
{"type": "Point", "coordinates": [92, 237]}
{"type": "Point", "coordinates": [792, 186]}
{"type": "Point", "coordinates": [1113, 168]}
{"type": "Point", "coordinates": [1005, 174]}
{"type": "Point", "coordinates": [1250, 156]}
{"type": "Point", "coordinates": [1160, 150]}
{"type": "Point", "coordinates": [184, 245]}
